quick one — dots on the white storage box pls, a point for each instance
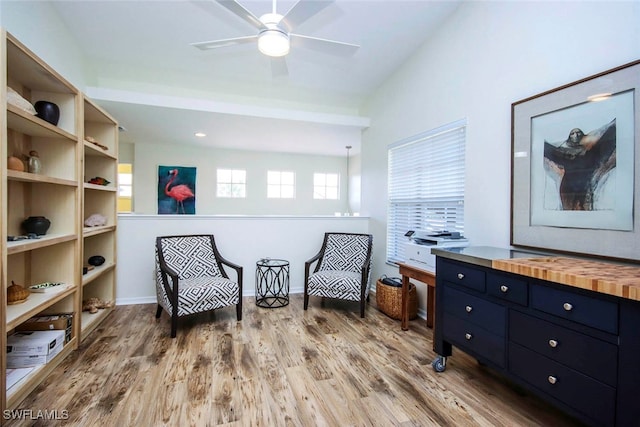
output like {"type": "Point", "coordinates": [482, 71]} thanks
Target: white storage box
{"type": "Point", "coordinates": [17, 361]}
{"type": "Point", "coordinates": [34, 343]}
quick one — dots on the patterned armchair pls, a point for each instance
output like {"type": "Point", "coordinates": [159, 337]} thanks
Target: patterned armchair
{"type": "Point", "coordinates": [190, 278]}
{"type": "Point", "coordinates": [343, 269]}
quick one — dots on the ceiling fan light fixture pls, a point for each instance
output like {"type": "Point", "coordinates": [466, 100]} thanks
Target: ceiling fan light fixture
{"type": "Point", "coordinates": [273, 42]}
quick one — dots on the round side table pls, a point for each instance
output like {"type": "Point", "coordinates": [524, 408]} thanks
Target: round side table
{"type": "Point", "coordinates": [272, 283]}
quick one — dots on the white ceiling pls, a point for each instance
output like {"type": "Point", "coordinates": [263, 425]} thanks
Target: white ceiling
{"type": "Point", "coordinates": [141, 68]}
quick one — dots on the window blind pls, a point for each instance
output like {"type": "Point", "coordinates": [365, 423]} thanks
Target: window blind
{"type": "Point", "coordinates": [426, 175]}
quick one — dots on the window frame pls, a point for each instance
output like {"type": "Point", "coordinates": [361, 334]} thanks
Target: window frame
{"type": "Point", "coordinates": [122, 183]}
{"type": "Point", "coordinates": [280, 186]}
{"type": "Point", "coordinates": [232, 184]}
{"type": "Point", "coordinates": [425, 185]}
{"type": "Point", "coordinates": [323, 195]}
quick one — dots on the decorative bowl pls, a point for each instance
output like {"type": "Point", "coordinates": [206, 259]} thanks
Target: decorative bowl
{"type": "Point", "coordinates": [96, 260]}
{"type": "Point", "coordinates": [36, 224]}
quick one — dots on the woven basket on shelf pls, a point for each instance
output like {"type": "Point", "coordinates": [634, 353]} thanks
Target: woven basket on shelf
{"type": "Point", "coordinates": [389, 300]}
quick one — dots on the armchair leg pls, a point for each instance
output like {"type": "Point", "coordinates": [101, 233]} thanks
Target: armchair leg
{"type": "Point", "coordinates": [174, 326]}
{"type": "Point", "coordinates": [239, 310]}
{"type": "Point", "coordinates": [306, 300]}
{"type": "Point", "coordinates": [362, 304]}
{"type": "Point", "coordinates": [158, 311]}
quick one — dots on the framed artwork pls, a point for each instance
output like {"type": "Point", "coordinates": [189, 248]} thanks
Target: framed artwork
{"type": "Point", "coordinates": [575, 166]}
{"type": "Point", "coordinates": [176, 190]}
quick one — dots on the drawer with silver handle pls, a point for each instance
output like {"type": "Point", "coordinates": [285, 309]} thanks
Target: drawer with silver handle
{"type": "Point", "coordinates": [583, 353]}
{"type": "Point", "coordinates": [474, 339]}
{"type": "Point", "coordinates": [586, 310]}
{"type": "Point", "coordinates": [508, 288]}
{"type": "Point", "coordinates": [488, 315]}
{"type": "Point", "coordinates": [462, 275]}
{"type": "Point", "coordinates": [582, 393]}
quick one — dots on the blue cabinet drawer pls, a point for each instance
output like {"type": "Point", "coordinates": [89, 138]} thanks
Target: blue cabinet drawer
{"type": "Point", "coordinates": [595, 400]}
{"type": "Point", "coordinates": [485, 314]}
{"type": "Point", "coordinates": [508, 288]}
{"type": "Point", "coordinates": [590, 311]}
{"type": "Point", "coordinates": [462, 275]}
{"type": "Point", "coordinates": [474, 339]}
{"type": "Point", "coordinates": [591, 356]}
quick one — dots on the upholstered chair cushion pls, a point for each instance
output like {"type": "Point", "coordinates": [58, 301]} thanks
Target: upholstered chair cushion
{"type": "Point", "coordinates": [343, 269]}
{"type": "Point", "coordinates": [202, 283]}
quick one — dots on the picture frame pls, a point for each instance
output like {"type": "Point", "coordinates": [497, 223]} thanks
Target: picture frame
{"type": "Point", "coordinates": [176, 190]}
{"type": "Point", "coordinates": [575, 167]}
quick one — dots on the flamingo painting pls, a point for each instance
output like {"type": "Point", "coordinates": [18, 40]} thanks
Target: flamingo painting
{"type": "Point", "coordinates": [178, 193]}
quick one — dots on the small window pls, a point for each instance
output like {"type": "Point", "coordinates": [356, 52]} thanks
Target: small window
{"type": "Point", "coordinates": [326, 186]}
{"type": "Point", "coordinates": [280, 185]}
{"type": "Point", "coordinates": [232, 183]}
{"type": "Point", "coordinates": [125, 187]}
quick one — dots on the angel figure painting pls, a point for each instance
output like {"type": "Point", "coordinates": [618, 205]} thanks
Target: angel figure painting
{"type": "Point", "coordinates": [176, 190]}
{"type": "Point", "coordinates": [582, 165]}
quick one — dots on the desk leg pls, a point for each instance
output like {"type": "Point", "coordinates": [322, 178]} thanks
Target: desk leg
{"type": "Point", "coordinates": [430, 305]}
{"type": "Point", "coordinates": [404, 324]}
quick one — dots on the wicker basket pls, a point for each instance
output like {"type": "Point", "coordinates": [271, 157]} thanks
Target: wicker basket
{"type": "Point", "coordinates": [389, 300]}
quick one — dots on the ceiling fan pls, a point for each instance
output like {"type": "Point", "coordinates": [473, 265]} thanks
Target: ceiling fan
{"type": "Point", "coordinates": [275, 35]}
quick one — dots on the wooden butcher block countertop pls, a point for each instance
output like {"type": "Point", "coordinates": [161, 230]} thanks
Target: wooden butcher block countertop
{"type": "Point", "coordinates": [604, 277]}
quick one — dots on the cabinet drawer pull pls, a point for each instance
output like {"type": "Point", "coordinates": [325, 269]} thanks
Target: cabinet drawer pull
{"type": "Point", "coordinates": [468, 336]}
{"type": "Point", "coordinates": [553, 343]}
{"type": "Point", "coordinates": [460, 276]}
{"type": "Point", "coordinates": [552, 379]}
{"type": "Point", "coordinates": [468, 308]}
{"type": "Point", "coordinates": [567, 306]}
{"type": "Point", "coordinates": [504, 288]}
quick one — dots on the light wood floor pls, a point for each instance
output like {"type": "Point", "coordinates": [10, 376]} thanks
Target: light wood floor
{"type": "Point", "coordinates": [277, 367]}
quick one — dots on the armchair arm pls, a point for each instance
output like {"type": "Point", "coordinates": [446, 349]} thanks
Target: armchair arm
{"type": "Point", "coordinates": [307, 265]}
{"type": "Point", "coordinates": [233, 266]}
{"type": "Point", "coordinates": [171, 291]}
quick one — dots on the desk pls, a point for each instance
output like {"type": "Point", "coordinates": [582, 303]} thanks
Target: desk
{"type": "Point", "coordinates": [410, 272]}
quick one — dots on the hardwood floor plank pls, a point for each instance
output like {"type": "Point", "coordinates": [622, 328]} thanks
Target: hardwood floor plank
{"type": "Point", "coordinates": [277, 367]}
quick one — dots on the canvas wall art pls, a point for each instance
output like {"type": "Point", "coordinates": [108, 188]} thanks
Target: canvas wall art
{"type": "Point", "coordinates": [176, 190]}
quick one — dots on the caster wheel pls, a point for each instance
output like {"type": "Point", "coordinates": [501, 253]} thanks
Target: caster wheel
{"type": "Point", "coordinates": [439, 364]}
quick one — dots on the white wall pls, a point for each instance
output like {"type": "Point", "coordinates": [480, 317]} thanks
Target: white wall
{"type": "Point", "coordinates": [241, 239]}
{"type": "Point", "coordinates": [485, 57]}
{"type": "Point", "coordinates": [37, 26]}
{"type": "Point", "coordinates": [149, 156]}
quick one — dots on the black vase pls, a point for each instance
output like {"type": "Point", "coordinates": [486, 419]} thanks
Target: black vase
{"type": "Point", "coordinates": [48, 111]}
{"type": "Point", "coordinates": [36, 225]}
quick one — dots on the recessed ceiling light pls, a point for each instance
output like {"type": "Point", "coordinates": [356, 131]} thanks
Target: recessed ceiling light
{"type": "Point", "coordinates": [200, 134]}
{"type": "Point", "coordinates": [599, 97]}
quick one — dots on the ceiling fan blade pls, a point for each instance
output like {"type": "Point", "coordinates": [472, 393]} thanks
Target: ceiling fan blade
{"type": "Point", "coordinates": [243, 13]}
{"type": "Point", "coordinates": [214, 44]}
{"type": "Point", "coordinates": [279, 67]}
{"type": "Point", "coordinates": [302, 11]}
{"type": "Point", "coordinates": [331, 47]}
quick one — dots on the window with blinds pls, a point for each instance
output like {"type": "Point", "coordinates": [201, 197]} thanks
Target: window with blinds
{"type": "Point", "coordinates": [425, 185]}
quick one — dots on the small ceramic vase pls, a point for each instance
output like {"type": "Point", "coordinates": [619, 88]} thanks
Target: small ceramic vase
{"type": "Point", "coordinates": [35, 166]}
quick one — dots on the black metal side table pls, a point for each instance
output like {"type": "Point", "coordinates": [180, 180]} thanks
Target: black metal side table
{"type": "Point", "coordinates": [272, 283]}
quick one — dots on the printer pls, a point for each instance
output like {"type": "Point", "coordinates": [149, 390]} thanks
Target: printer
{"type": "Point", "coordinates": [418, 247]}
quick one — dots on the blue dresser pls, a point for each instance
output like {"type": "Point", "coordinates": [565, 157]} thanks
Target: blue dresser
{"type": "Point", "coordinates": [579, 349]}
